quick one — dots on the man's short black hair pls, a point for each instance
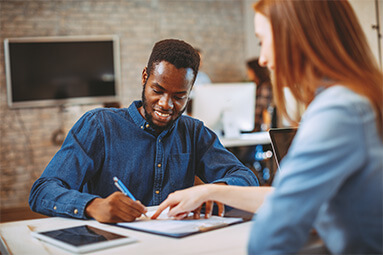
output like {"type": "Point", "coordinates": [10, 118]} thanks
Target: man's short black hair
{"type": "Point", "coordinates": [176, 52]}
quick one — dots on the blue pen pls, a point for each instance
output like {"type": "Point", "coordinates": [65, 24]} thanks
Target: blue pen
{"type": "Point", "coordinates": [124, 190]}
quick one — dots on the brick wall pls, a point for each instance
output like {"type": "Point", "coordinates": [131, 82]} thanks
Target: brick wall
{"type": "Point", "coordinates": [216, 26]}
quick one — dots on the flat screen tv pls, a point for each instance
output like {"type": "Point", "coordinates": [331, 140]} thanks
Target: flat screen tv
{"type": "Point", "coordinates": [57, 71]}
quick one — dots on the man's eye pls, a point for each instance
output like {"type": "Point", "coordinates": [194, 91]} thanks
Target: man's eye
{"type": "Point", "coordinates": [156, 91]}
{"type": "Point", "coordinates": [179, 98]}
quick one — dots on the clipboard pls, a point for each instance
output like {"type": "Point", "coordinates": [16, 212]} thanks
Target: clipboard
{"type": "Point", "coordinates": [178, 228]}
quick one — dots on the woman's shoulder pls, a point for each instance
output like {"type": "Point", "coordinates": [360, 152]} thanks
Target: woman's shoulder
{"type": "Point", "coordinates": [339, 112]}
{"type": "Point", "coordinates": [343, 95]}
{"type": "Point", "coordinates": [342, 99]}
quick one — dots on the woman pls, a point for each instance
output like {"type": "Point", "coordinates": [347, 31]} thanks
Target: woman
{"type": "Point", "coordinates": [331, 178]}
{"type": "Point", "coordinates": [264, 97]}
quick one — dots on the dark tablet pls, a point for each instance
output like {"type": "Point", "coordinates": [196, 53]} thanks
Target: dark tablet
{"type": "Point", "coordinates": [83, 238]}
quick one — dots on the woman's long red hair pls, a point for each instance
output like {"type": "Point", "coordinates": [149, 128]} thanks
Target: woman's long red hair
{"type": "Point", "coordinates": [320, 43]}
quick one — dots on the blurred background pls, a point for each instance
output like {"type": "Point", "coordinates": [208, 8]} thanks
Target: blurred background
{"type": "Point", "coordinates": [222, 29]}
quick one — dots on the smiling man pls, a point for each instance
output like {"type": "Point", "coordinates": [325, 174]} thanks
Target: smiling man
{"type": "Point", "coordinates": [163, 102]}
{"type": "Point", "coordinates": [150, 146]}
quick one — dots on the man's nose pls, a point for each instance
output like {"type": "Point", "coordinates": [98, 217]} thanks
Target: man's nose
{"type": "Point", "coordinates": [166, 102]}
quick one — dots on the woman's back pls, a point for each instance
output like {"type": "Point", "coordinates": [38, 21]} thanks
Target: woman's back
{"type": "Point", "coordinates": [331, 178]}
{"type": "Point", "coordinates": [354, 212]}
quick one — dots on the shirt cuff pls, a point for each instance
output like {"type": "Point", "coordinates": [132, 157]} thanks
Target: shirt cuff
{"type": "Point", "coordinates": [74, 208]}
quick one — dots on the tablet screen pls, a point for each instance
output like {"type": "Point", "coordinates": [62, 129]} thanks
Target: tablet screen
{"type": "Point", "coordinates": [82, 235]}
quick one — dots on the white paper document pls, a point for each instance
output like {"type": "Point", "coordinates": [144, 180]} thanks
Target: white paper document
{"type": "Point", "coordinates": [164, 225]}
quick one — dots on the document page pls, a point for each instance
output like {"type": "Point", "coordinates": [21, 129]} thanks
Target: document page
{"type": "Point", "coordinates": [164, 225]}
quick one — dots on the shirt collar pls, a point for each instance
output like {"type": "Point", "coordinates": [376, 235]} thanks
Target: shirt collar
{"type": "Point", "coordinates": [141, 122]}
{"type": "Point", "coordinates": [135, 114]}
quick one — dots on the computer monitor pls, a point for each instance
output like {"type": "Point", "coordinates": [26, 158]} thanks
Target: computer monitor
{"type": "Point", "coordinates": [226, 108]}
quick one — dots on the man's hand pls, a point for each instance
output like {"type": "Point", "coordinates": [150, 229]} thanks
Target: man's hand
{"type": "Point", "coordinates": [209, 209]}
{"type": "Point", "coordinates": [115, 208]}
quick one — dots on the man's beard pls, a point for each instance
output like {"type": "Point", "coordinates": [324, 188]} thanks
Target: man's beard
{"type": "Point", "coordinates": [149, 117]}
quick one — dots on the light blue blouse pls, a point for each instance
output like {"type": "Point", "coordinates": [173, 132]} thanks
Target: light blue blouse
{"type": "Point", "coordinates": [331, 179]}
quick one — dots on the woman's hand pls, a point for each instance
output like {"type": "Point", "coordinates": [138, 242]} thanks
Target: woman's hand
{"type": "Point", "coordinates": [183, 202]}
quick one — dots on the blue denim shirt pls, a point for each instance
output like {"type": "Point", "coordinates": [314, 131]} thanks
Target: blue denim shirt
{"type": "Point", "coordinates": [330, 179]}
{"type": "Point", "coordinates": [119, 142]}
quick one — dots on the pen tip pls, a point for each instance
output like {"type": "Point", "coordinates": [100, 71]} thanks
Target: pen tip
{"type": "Point", "coordinates": [115, 179]}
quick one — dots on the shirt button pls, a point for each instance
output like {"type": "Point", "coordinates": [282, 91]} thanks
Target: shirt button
{"type": "Point", "coordinates": [159, 165]}
{"type": "Point", "coordinates": [147, 125]}
{"type": "Point", "coordinates": [157, 191]}
{"type": "Point", "coordinates": [75, 211]}
{"type": "Point", "coordinates": [54, 207]}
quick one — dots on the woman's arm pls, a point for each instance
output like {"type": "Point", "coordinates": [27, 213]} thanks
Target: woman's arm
{"type": "Point", "coordinates": [184, 201]}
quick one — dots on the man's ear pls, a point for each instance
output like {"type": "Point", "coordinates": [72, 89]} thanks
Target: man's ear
{"type": "Point", "coordinates": [144, 76]}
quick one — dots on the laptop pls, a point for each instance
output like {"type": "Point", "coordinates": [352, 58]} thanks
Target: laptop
{"type": "Point", "coordinates": [281, 139]}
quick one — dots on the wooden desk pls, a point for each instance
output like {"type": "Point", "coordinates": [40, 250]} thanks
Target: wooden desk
{"type": "Point", "coordinates": [229, 240]}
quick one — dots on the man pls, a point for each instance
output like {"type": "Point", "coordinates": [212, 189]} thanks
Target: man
{"type": "Point", "coordinates": [150, 146]}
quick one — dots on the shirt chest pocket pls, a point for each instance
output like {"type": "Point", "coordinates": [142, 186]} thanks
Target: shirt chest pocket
{"type": "Point", "coordinates": [180, 170]}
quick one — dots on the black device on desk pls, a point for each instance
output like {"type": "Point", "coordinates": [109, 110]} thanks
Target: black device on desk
{"type": "Point", "coordinates": [230, 212]}
{"type": "Point", "coordinates": [281, 139]}
{"type": "Point", "coordinates": [81, 239]}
